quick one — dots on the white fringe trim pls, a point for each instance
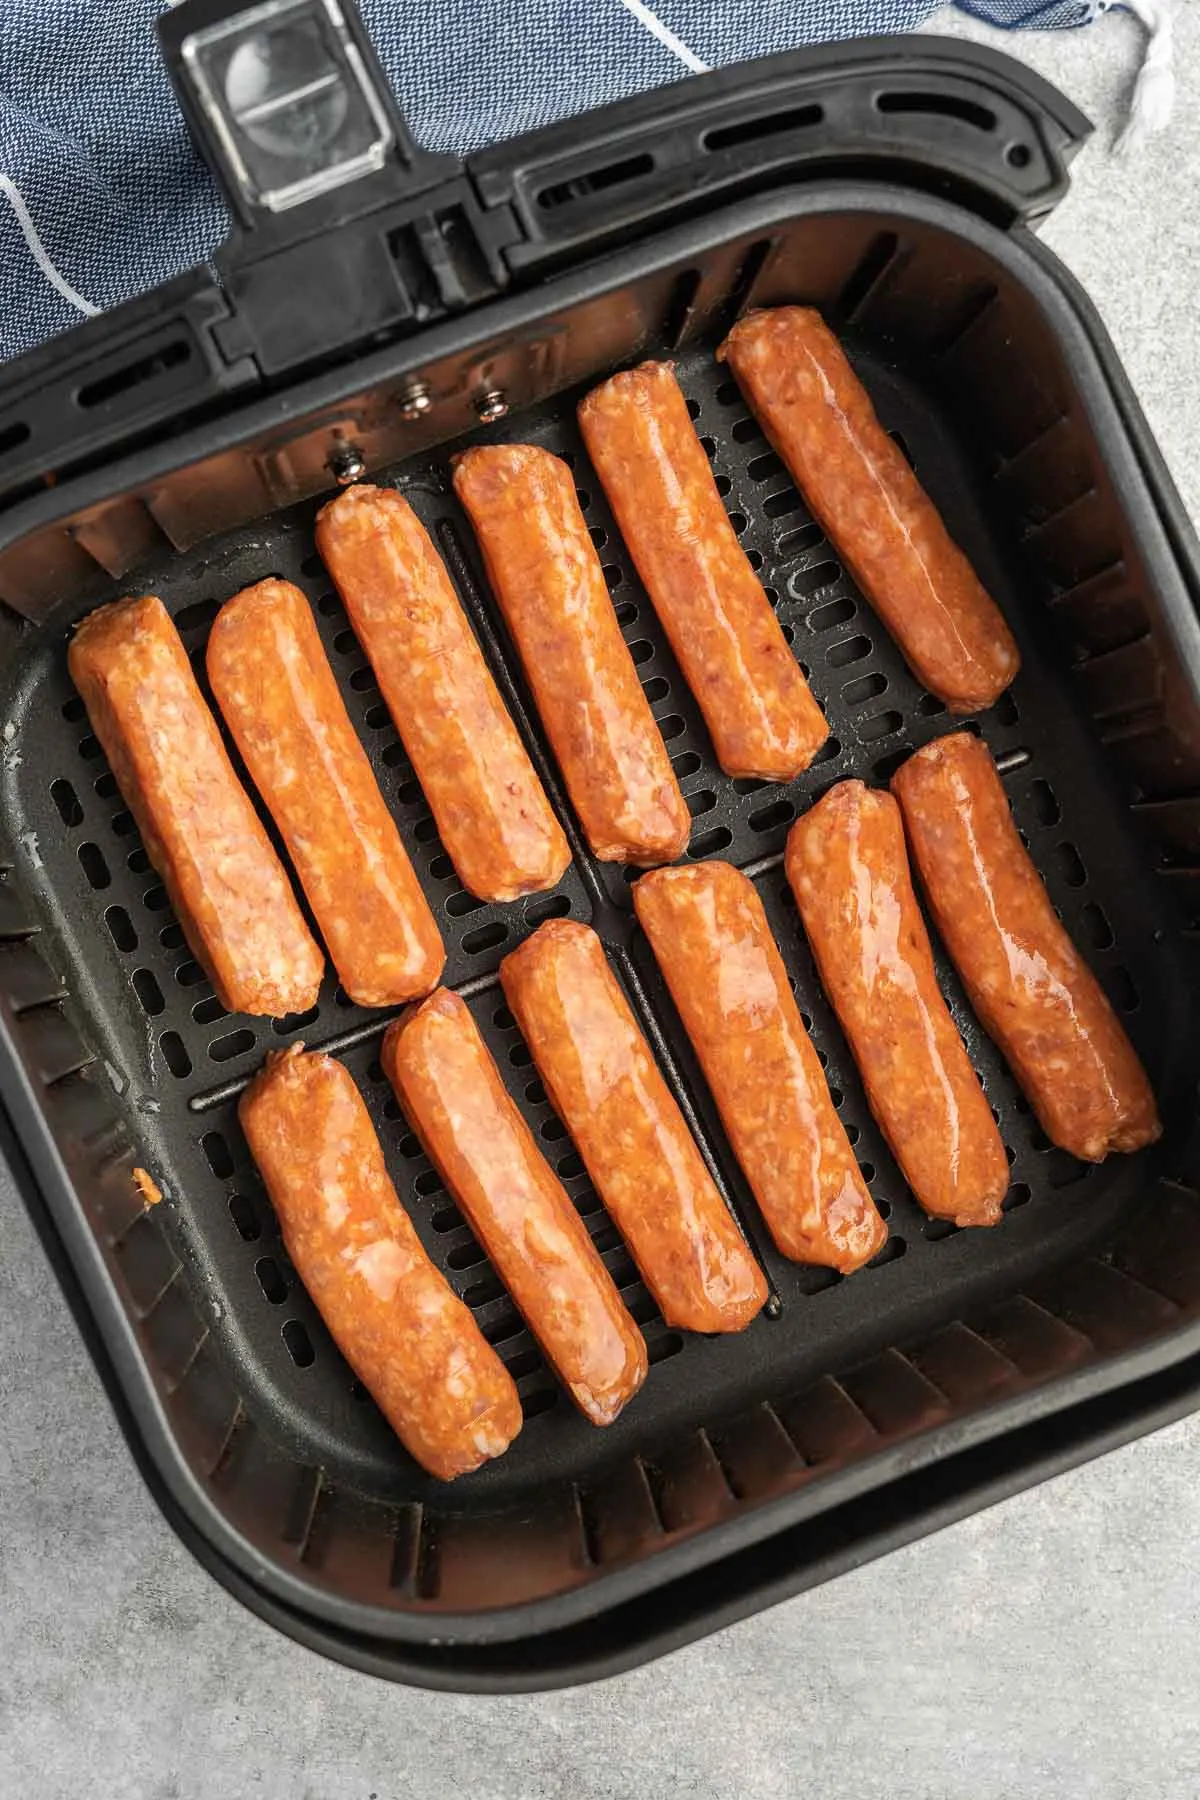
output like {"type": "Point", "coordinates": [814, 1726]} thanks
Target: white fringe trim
{"type": "Point", "coordinates": [1154, 91]}
{"type": "Point", "coordinates": [665, 36]}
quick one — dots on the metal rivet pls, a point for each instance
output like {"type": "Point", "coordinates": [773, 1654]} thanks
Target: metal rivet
{"type": "Point", "coordinates": [346, 464]}
{"type": "Point", "coordinates": [415, 401]}
{"type": "Point", "coordinates": [491, 406]}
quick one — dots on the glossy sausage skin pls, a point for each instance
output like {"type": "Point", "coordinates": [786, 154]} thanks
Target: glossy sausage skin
{"type": "Point", "coordinates": [454, 1099]}
{"type": "Point", "coordinates": [1032, 990]}
{"type": "Point", "coordinates": [759, 710]}
{"type": "Point", "coordinates": [409, 1339]}
{"type": "Point", "coordinates": [491, 810]}
{"type": "Point", "coordinates": [606, 1087]}
{"type": "Point", "coordinates": [227, 886]}
{"type": "Point", "coordinates": [867, 500]}
{"type": "Point", "coordinates": [710, 937]}
{"type": "Point", "coordinates": [849, 872]}
{"type": "Point", "coordinates": [548, 581]}
{"type": "Point", "coordinates": [278, 695]}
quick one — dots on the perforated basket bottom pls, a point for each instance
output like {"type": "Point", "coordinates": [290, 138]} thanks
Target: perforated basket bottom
{"type": "Point", "coordinates": [178, 1060]}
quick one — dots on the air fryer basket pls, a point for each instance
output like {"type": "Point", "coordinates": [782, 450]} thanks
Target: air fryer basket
{"type": "Point", "coordinates": [989, 369]}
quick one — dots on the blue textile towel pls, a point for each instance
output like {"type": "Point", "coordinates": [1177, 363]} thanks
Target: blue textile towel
{"type": "Point", "coordinates": [102, 196]}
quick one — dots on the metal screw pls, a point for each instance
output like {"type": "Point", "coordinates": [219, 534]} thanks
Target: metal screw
{"type": "Point", "coordinates": [491, 406]}
{"type": "Point", "coordinates": [415, 401]}
{"type": "Point", "coordinates": [346, 464]}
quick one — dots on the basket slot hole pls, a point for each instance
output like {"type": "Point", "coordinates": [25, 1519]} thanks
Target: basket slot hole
{"type": "Point", "coordinates": [105, 786]}
{"type": "Point", "coordinates": [777, 506]}
{"type": "Point", "coordinates": [270, 1280]}
{"type": "Point", "coordinates": [329, 606]}
{"type": "Point", "coordinates": [657, 688]}
{"type": "Point", "coordinates": [190, 973]}
{"type": "Point", "coordinates": [1096, 927]}
{"type": "Point", "coordinates": [807, 537]}
{"type": "Point", "coordinates": [466, 1256]}
{"type": "Point", "coordinates": [805, 582]}
{"type": "Point", "coordinates": [199, 614]}
{"type": "Point", "coordinates": [723, 485]}
{"type": "Point", "coordinates": [878, 725]}
{"type": "Point", "coordinates": [150, 995]}
{"type": "Point", "coordinates": [849, 650]}
{"type": "Point", "coordinates": [626, 613]}
{"type": "Point", "coordinates": [395, 755]}
{"type": "Point", "coordinates": [505, 1325]}
{"type": "Point", "coordinates": [641, 650]}
{"type": "Point", "coordinates": [1121, 990]}
{"type": "Point", "coordinates": [363, 680]}
{"type": "Point", "coordinates": [294, 1021]}
{"type": "Point", "coordinates": [217, 1154]}
{"type": "Point", "coordinates": [244, 1214]}
{"type": "Point", "coordinates": [522, 1363]}
{"type": "Point", "coordinates": [91, 861]}
{"type": "Point", "coordinates": [502, 1019]}
{"type": "Point", "coordinates": [344, 642]}
{"type": "Point", "coordinates": [429, 1182]}
{"type": "Point", "coordinates": [134, 374]}
{"type": "Point", "coordinates": [446, 1218]}
{"type": "Point", "coordinates": [864, 687]}
{"type": "Point", "coordinates": [235, 1043]}
{"type": "Point", "coordinates": [598, 536]}
{"type": "Point", "coordinates": [66, 802]}
{"type": "Point", "coordinates": [298, 1344]}
{"type": "Point", "coordinates": [552, 1130]}
{"type": "Point", "coordinates": [208, 1011]}
{"type": "Point", "coordinates": [702, 801]}
{"type": "Point", "coordinates": [710, 842]}
{"type": "Point", "coordinates": [156, 899]}
{"type": "Point", "coordinates": [137, 862]}
{"type": "Point", "coordinates": [425, 830]}
{"type": "Point", "coordinates": [375, 718]}
{"type": "Point", "coordinates": [769, 818]}
{"type": "Point", "coordinates": [171, 936]}
{"type": "Point", "coordinates": [930, 707]}
{"type": "Point", "coordinates": [1070, 865]}
{"type": "Point", "coordinates": [686, 763]}
{"type": "Point", "coordinates": [441, 868]}
{"type": "Point", "coordinates": [486, 938]}
{"type": "Point", "coordinates": [569, 1166]}
{"type": "Point", "coordinates": [74, 710]}
{"type": "Point", "coordinates": [739, 521]}
{"type": "Point", "coordinates": [834, 612]}
{"type": "Point", "coordinates": [761, 468]}
{"type": "Point", "coordinates": [745, 431]}
{"type": "Point", "coordinates": [120, 928]}
{"type": "Point", "coordinates": [1044, 801]}
{"type": "Point", "coordinates": [175, 1054]}
{"type": "Point", "coordinates": [613, 575]}
{"type": "Point", "coordinates": [553, 906]}
{"type": "Point", "coordinates": [535, 1093]}
{"type": "Point", "coordinates": [480, 1292]}
{"type": "Point", "coordinates": [462, 903]}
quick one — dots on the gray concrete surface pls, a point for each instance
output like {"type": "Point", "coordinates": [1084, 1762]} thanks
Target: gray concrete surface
{"type": "Point", "coordinates": [1048, 1647]}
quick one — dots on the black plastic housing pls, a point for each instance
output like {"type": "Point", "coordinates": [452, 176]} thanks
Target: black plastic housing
{"type": "Point", "coordinates": [878, 181]}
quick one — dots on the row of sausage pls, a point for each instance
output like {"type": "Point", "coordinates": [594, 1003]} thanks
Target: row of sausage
{"type": "Point", "coordinates": [280, 700]}
{"type": "Point", "coordinates": [414, 1344]}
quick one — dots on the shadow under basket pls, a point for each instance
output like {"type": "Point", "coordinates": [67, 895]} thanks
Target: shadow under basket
{"type": "Point", "coordinates": [853, 1413]}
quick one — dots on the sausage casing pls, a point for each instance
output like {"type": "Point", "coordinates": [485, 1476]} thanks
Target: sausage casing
{"type": "Point", "coordinates": [409, 1339]}
{"type": "Point", "coordinates": [759, 709]}
{"type": "Point", "coordinates": [453, 1097]}
{"type": "Point", "coordinates": [490, 807]}
{"type": "Point", "coordinates": [1032, 990]}
{"type": "Point", "coordinates": [710, 937]}
{"type": "Point", "coordinates": [867, 500]}
{"type": "Point", "coordinates": [548, 581]}
{"type": "Point", "coordinates": [848, 870]}
{"type": "Point", "coordinates": [201, 832]}
{"type": "Point", "coordinates": [606, 1087]}
{"type": "Point", "coordinates": [280, 700]}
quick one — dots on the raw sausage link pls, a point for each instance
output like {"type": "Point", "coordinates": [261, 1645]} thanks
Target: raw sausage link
{"type": "Point", "coordinates": [849, 873]}
{"type": "Point", "coordinates": [280, 700]}
{"type": "Point", "coordinates": [452, 1094]}
{"type": "Point", "coordinates": [410, 1341]}
{"type": "Point", "coordinates": [606, 1087]}
{"type": "Point", "coordinates": [1032, 990]}
{"type": "Point", "coordinates": [709, 933]}
{"type": "Point", "coordinates": [864, 495]}
{"type": "Point", "coordinates": [548, 581]}
{"type": "Point", "coordinates": [491, 811]}
{"type": "Point", "coordinates": [227, 886]}
{"type": "Point", "coordinates": [760, 712]}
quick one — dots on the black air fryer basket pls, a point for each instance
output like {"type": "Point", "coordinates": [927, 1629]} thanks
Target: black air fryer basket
{"type": "Point", "coordinates": [374, 309]}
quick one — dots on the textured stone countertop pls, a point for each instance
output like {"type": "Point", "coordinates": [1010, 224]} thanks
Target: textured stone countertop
{"type": "Point", "coordinates": [1050, 1646]}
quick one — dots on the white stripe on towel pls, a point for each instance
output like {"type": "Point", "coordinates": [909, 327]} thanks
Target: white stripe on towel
{"type": "Point", "coordinates": [665, 36]}
{"type": "Point", "coordinates": [38, 250]}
